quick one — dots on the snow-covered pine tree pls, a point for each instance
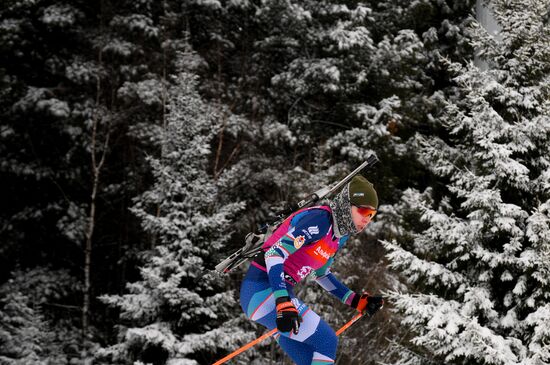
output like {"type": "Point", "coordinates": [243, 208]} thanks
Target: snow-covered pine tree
{"type": "Point", "coordinates": [478, 263]}
{"type": "Point", "coordinates": [23, 334]}
{"type": "Point", "coordinates": [104, 77]}
{"type": "Point", "coordinates": [180, 312]}
{"type": "Point", "coordinates": [36, 324]}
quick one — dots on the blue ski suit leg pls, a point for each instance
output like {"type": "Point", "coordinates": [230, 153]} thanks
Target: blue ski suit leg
{"type": "Point", "coordinates": [315, 342]}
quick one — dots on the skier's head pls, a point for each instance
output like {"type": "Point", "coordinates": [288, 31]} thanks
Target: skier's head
{"type": "Point", "coordinates": [363, 200]}
{"type": "Point", "coordinates": [354, 206]}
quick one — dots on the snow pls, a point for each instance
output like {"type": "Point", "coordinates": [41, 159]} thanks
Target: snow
{"type": "Point", "coordinates": [137, 24]}
{"type": "Point", "coordinates": [346, 39]}
{"type": "Point", "coordinates": [465, 221]}
{"type": "Point", "coordinates": [60, 15]}
{"type": "Point", "coordinates": [149, 92]}
{"type": "Point", "coordinates": [495, 235]}
{"type": "Point", "coordinates": [119, 47]}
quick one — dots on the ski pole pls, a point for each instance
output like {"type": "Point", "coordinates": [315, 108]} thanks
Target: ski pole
{"type": "Point", "coordinates": [272, 332]}
{"type": "Point", "coordinates": [350, 322]}
{"type": "Point", "coordinates": [246, 347]}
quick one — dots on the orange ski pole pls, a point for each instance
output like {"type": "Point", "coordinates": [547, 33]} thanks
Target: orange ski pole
{"type": "Point", "coordinates": [246, 347]}
{"type": "Point", "coordinates": [350, 322]}
{"type": "Point", "coordinates": [272, 332]}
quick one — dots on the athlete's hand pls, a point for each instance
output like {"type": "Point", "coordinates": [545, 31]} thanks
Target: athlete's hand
{"type": "Point", "coordinates": [365, 303]}
{"type": "Point", "coordinates": [288, 317]}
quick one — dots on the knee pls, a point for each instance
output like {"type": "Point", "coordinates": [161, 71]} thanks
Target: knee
{"type": "Point", "coordinates": [332, 340]}
{"type": "Point", "coordinates": [327, 341]}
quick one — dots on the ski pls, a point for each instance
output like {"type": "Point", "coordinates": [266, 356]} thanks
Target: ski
{"type": "Point", "coordinates": [254, 241]}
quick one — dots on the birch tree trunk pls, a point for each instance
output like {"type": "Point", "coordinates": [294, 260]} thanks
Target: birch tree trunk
{"type": "Point", "coordinates": [96, 171]}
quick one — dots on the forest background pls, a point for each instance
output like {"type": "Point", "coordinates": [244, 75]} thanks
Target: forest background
{"type": "Point", "coordinates": [141, 140]}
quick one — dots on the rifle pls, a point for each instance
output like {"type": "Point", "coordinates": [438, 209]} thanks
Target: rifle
{"type": "Point", "coordinates": [254, 241]}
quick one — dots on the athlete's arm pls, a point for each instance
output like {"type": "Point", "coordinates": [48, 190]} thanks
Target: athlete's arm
{"type": "Point", "coordinates": [330, 283]}
{"type": "Point", "coordinates": [274, 260]}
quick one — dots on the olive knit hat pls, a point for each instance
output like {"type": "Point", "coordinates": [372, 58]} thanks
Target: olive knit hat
{"type": "Point", "coordinates": [362, 193]}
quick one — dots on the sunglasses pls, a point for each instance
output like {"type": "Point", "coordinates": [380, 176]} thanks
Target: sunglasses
{"type": "Point", "coordinates": [367, 212]}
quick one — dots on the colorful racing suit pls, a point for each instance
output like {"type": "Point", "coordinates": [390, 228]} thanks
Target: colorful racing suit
{"type": "Point", "coordinates": [304, 244]}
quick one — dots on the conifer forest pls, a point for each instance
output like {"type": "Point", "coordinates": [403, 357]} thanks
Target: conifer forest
{"type": "Point", "coordinates": [142, 140]}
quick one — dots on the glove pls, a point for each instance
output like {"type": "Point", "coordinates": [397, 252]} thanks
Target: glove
{"type": "Point", "coordinates": [365, 303]}
{"type": "Point", "coordinates": [288, 317]}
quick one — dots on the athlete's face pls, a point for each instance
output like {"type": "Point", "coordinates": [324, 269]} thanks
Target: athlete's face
{"type": "Point", "coordinates": [362, 216]}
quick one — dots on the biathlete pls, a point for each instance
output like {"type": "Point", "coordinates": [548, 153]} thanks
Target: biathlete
{"type": "Point", "coordinates": [305, 243]}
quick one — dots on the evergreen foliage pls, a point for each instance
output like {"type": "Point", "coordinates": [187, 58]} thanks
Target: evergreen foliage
{"type": "Point", "coordinates": [479, 257]}
{"type": "Point", "coordinates": [179, 311]}
{"type": "Point", "coordinates": [34, 328]}
{"type": "Point", "coordinates": [290, 96]}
